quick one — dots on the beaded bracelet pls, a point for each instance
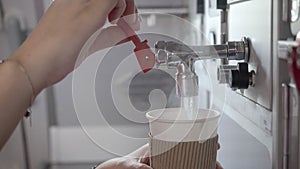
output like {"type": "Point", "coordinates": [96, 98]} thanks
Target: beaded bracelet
{"type": "Point", "coordinates": [22, 68]}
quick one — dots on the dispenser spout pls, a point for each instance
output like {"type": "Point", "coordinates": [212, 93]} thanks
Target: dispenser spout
{"type": "Point", "coordinates": [182, 57]}
{"type": "Point", "coordinates": [172, 53]}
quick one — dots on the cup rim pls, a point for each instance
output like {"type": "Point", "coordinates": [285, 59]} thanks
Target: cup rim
{"type": "Point", "coordinates": [151, 118]}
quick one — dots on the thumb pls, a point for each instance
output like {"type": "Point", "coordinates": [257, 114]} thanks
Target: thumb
{"type": "Point", "coordinates": [144, 166]}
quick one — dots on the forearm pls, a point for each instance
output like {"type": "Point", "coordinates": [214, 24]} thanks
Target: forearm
{"type": "Point", "coordinates": [15, 98]}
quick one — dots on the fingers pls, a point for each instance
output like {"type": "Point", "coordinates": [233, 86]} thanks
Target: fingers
{"type": "Point", "coordinates": [129, 15]}
{"type": "Point", "coordinates": [144, 166]}
{"type": "Point", "coordinates": [145, 160]}
{"type": "Point", "coordinates": [126, 163]}
{"type": "Point", "coordinates": [118, 11]}
{"type": "Point", "coordinates": [114, 9]}
{"type": "Point", "coordinates": [108, 37]}
{"type": "Point", "coordinates": [124, 8]}
{"type": "Point", "coordinates": [132, 11]}
{"type": "Point", "coordinates": [140, 152]}
{"type": "Point", "coordinates": [219, 166]}
{"type": "Point", "coordinates": [141, 166]}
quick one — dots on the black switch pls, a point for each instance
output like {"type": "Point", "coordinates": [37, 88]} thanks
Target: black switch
{"type": "Point", "coordinates": [222, 4]}
{"type": "Point", "coordinates": [200, 6]}
{"type": "Point", "coordinates": [240, 79]}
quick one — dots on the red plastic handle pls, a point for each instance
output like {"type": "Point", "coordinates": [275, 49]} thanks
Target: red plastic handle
{"type": "Point", "coordinates": [294, 68]}
{"type": "Point", "coordinates": [143, 53]}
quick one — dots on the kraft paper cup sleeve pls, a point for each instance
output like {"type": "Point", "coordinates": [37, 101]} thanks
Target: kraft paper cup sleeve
{"type": "Point", "coordinates": [183, 155]}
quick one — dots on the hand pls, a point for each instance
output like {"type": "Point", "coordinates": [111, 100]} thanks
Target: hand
{"type": "Point", "coordinates": [218, 164]}
{"type": "Point", "coordinates": [50, 52]}
{"type": "Point", "coordinates": [143, 155]}
{"type": "Point", "coordinates": [123, 163]}
{"type": "Point", "coordinates": [138, 159]}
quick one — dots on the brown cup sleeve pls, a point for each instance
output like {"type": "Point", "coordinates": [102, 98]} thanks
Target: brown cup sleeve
{"type": "Point", "coordinates": [183, 155]}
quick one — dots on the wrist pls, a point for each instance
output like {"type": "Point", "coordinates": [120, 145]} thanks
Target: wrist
{"type": "Point", "coordinates": [17, 80]}
{"type": "Point", "coordinates": [34, 77]}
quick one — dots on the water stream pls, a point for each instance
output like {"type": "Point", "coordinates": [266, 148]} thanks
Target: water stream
{"type": "Point", "coordinates": [190, 107]}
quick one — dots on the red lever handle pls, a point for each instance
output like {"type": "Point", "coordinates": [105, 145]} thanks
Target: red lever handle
{"type": "Point", "coordinates": [294, 68]}
{"type": "Point", "coordinates": [143, 53]}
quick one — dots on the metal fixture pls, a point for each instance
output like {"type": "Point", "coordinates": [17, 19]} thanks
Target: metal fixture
{"type": "Point", "coordinates": [223, 73]}
{"type": "Point", "coordinates": [172, 53]}
{"type": "Point", "coordinates": [295, 4]}
{"type": "Point", "coordinates": [182, 57]}
{"type": "Point", "coordinates": [241, 78]}
{"type": "Point", "coordinates": [223, 6]}
{"type": "Point", "coordinates": [286, 129]}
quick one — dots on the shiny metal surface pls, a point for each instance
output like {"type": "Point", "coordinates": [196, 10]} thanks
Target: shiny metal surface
{"type": "Point", "coordinates": [286, 10]}
{"type": "Point", "coordinates": [295, 5]}
{"type": "Point", "coordinates": [235, 50]}
{"type": "Point", "coordinates": [178, 55]}
{"type": "Point", "coordinates": [187, 82]}
{"type": "Point", "coordinates": [293, 160]}
{"type": "Point", "coordinates": [290, 127]}
{"type": "Point", "coordinates": [224, 31]}
{"type": "Point", "coordinates": [285, 148]}
{"type": "Point", "coordinates": [223, 73]}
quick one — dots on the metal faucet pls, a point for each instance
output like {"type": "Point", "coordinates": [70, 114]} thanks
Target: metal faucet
{"type": "Point", "coordinates": [182, 57]}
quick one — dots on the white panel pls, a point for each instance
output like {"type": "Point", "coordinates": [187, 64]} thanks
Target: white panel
{"type": "Point", "coordinates": [253, 19]}
{"type": "Point", "coordinates": [38, 132]}
{"type": "Point", "coordinates": [12, 154]}
{"type": "Point", "coordinates": [239, 149]}
{"type": "Point", "coordinates": [64, 148]}
{"type": "Point", "coordinates": [26, 10]}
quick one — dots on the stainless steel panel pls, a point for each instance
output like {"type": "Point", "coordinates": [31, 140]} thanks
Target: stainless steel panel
{"type": "Point", "coordinates": [293, 134]}
{"type": "Point", "coordinates": [290, 127]}
{"type": "Point", "coordinates": [294, 12]}
{"type": "Point", "coordinates": [254, 20]}
{"type": "Point", "coordinates": [285, 126]}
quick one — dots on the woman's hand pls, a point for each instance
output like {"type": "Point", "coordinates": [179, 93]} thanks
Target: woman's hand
{"type": "Point", "coordinates": [50, 52]}
{"type": "Point", "coordinates": [139, 159]}
{"type": "Point", "coordinates": [123, 163]}
{"type": "Point", "coordinates": [218, 164]}
{"type": "Point", "coordinates": [143, 153]}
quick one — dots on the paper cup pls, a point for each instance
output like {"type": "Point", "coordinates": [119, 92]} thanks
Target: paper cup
{"type": "Point", "coordinates": [175, 125]}
{"type": "Point", "coordinates": [178, 141]}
